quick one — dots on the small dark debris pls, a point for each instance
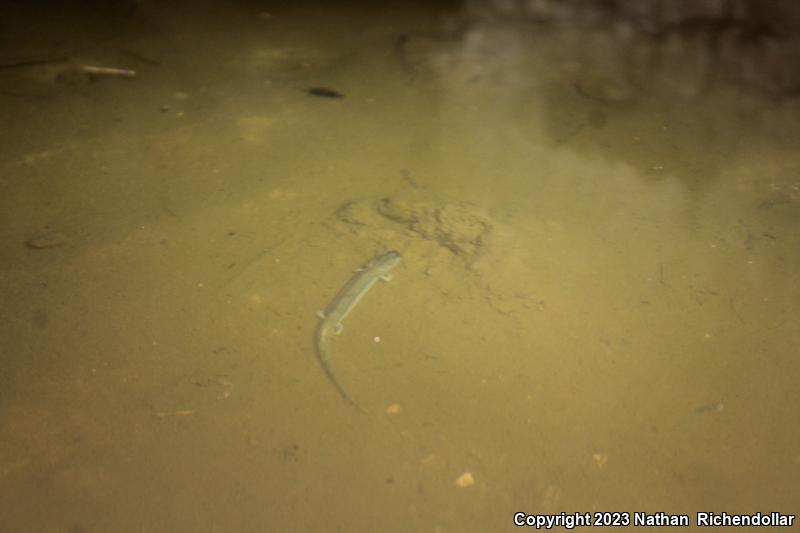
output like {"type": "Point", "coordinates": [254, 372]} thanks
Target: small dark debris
{"type": "Point", "coordinates": [292, 453]}
{"type": "Point", "coordinates": [324, 92]}
{"type": "Point", "coordinates": [45, 241]}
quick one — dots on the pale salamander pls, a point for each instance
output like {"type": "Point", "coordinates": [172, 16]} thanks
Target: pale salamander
{"type": "Point", "coordinates": [331, 319]}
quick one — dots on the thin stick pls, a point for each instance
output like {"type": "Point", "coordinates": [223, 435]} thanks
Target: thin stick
{"type": "Point", "coordinates": [107, 71]}
{"type": "Point", "coordinates": [33, 62]}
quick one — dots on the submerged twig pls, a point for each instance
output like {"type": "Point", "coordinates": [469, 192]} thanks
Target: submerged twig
{"type": "Point", "coordinates": [33, 62]}
{"type": "Point", "coordinates": [107, 71]}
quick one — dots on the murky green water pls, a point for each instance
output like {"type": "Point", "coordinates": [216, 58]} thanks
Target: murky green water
{"type": "Point", "coordinates": [596, 310]}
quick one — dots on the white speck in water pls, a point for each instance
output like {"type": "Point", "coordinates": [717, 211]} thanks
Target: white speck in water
{"type": "Point", "coordinates": [376, 339]}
